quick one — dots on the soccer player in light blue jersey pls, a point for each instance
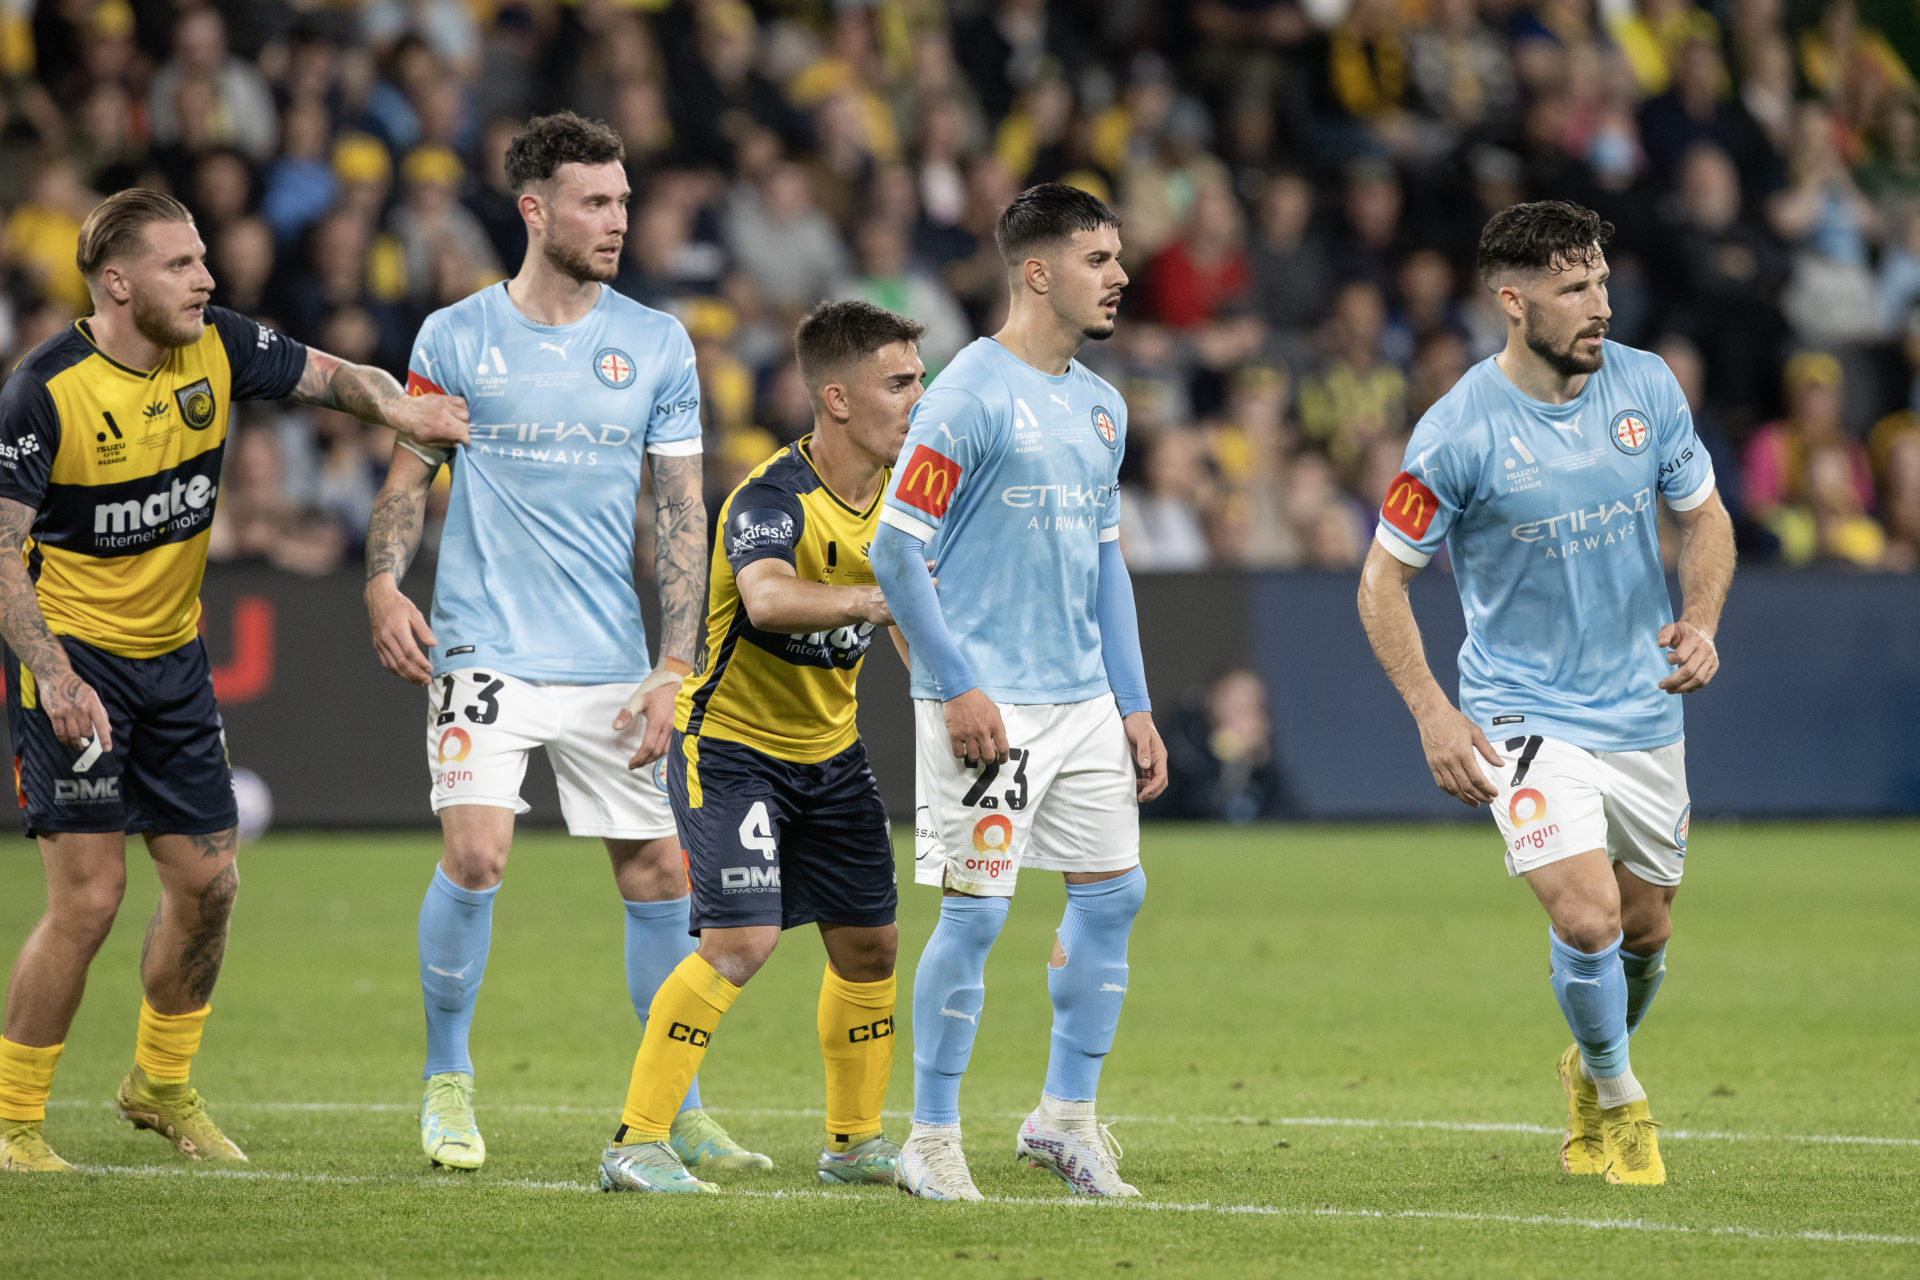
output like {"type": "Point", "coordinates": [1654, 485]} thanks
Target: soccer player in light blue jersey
{"type": "Point", "coordinates": [1034, 739]}
{"type": "Point", "coordinates": [536, 639]}
{"type": "Point", "coordinates": [1542, 472]}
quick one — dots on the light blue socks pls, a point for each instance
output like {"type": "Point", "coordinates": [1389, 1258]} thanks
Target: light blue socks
{"type": "Point", "coordinates": [657, 941]}
{"type": "Point", "coordinates": [1592, 991]}
{"type": "Point", "coordinates": [456, 931]}
{"type": "Point", "coordinates": [1090, 987]}
{"type": "Point", "coordinates": [949, 990]}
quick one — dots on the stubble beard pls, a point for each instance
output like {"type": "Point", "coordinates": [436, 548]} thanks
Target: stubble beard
{"type": "Point", "coordinates": [165, 326]}
{"type": "Point", "coordinates": [578, 265]}
{"type": "Point", "coordinates": [1571, 362]}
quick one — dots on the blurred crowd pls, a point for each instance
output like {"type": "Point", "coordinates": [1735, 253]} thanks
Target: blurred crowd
{"type": "Point", "coordinates": [1302, 183]}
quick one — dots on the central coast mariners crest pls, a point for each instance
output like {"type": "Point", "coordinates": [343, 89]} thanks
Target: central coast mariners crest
{"type": "Point", "coordinates": [196, 404]}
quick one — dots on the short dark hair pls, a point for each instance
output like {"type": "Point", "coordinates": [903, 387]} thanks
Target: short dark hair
{"type": "Point", "coordinates": [1546, 235]}
{"type": "Point", "coordinates": [116, 224]}
{"type": "Point", "coordinates": [537, 151]}
{"type": "Point", "coordinates": [835, 335]}
{"type": "Point", "coordinates": [1046, 214]}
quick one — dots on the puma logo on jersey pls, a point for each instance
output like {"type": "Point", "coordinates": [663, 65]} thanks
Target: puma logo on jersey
{"type": "Point", "coordinates": [1062, 402]}
{"type": "Point", "coordinates": [558, 348]}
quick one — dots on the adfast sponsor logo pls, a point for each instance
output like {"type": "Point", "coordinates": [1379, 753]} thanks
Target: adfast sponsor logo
{"type": "Point", "coordinates": [1528, 807]}
{"type": "Point", "coordinates": [758, 527]}
{"type": "Point", "coordinates": [11, 454]}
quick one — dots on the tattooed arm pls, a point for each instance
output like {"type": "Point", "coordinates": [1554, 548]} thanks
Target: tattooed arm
{"type": "Point", "coordinates": [372, 395]}
{"type": "Point", "coordinates": [68, 700]}
{"type": "Point", "coordinates": [680, 564]}
{"type": "Point", "coordinates": [393, 536]}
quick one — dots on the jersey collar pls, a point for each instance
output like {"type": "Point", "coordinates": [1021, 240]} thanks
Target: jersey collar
{"type": "Point", "coordinates": [806, 456]}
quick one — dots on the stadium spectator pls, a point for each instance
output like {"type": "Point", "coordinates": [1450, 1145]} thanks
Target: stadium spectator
{"type": "Point", "coordinates": [1165, 530]}
{"type": "Point", "coordinates": [205, 95]}
{"type": "Point", "coordinates": [1221, 762]}
{"type": "Point", "coordinates": [1779, 481]}
{"type": "Point", "coordinates": [1356, 396]}
{"type": "Point", "coordinates": [1291, 275]}
{"type": "Point", "coordinates": [1205, 268]}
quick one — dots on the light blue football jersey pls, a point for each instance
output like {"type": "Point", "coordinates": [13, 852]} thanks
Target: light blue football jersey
{"type": "Point", "coordinates": [1549, 514]}
{"type": "Point", "coordinates": [535, 574]}
{"type": "Point", "coordinates": [1011, 477]}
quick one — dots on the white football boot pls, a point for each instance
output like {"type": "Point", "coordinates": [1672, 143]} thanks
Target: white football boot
{"type": "Point", "coordinates": [1066, 1140]}
{"type": "Point", "coordinates": [933, 1167]}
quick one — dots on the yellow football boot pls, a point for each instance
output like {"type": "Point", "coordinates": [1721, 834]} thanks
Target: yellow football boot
{"type": "Point", "coordinates": [24, 1149]}
{"type": "Point", "coordinates": [177, 1113]}
{"type": "Point", "coordinates": [1583, 1149]}
{"type": "Point", "coordinates": [1633, 1150]}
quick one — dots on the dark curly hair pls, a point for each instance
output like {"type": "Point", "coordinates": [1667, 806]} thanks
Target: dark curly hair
{"type": "Point", "coordinates": [837, 334]}
{"type": "Point", "coordinates": [1047, 213]}
{"type": "Point", "coordinates": [1547, 235]}
{"type": "Point", "coordinates": [537, 151]}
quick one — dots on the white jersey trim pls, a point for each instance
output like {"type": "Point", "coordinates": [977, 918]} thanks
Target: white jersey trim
{"type": "Point", "coordinates": [907, 524]}
{"type": "Point", "coordinates": [1695, 498]}
{"type": "Point", "coordinates": [1412, 557]}
{"type": "Point", "coordinates": [1110, 534]}
{"type": "Point", "coordinates": [435, 458]}
{"type": "Point", "coordinates": [686, 448]}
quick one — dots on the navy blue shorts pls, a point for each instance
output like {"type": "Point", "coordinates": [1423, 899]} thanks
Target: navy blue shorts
{"type": "Point", "coordinates": [772, 842]}
{"type": "Point", "coordinates": [167, 773]}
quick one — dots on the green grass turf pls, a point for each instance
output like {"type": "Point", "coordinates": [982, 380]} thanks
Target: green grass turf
{"type": "Point", "coordinates": [1279, 976]}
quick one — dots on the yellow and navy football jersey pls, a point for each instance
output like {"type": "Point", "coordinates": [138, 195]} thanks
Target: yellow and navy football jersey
{"type": "Point", "coordinates": [791, 697]}
{"type": "Point", "coordinates": [122, 466]}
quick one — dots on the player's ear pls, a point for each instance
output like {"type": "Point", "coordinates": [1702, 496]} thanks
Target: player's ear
{"type": "Point", "coordinates": [1034, 272]}
{"type": "Point", "coordinates": [1512, 301]}
{"type": "Point", "coordinates": [834, 397]}
{"type": "Point", "coordinates": [533, 211]}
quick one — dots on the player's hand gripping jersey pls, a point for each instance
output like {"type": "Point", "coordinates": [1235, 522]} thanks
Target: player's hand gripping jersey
{"type": "Point", "coordinates": [1022, 469]}
{"type": "Point", "coordinates": [536, 564]}
{"type": "Point", "coordinates": [123, 466]}
{"type": "Point", "coordinates": [1549, 514]}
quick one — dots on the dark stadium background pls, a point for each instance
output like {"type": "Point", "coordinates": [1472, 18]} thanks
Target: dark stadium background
{"type": "Point", "coordinates": [1301, 185]}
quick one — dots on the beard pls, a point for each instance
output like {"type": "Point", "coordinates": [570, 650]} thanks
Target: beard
{"type": "Point", "coordinates": [579, 264]}
{"type": "Point", "coordinates": [165, 326]}
{"type": "Point", "coordinates": [1100, 331]}
{"type": "Point", "coordinates": [1568, 361]}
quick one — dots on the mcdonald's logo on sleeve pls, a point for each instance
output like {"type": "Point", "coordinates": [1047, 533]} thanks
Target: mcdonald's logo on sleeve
{"type": "Point", "coordinates": [419, 386]}
{"type": "Point", "coordinates": [1410, 506]}
{"type": "Point", "coordinates": [928, 480]}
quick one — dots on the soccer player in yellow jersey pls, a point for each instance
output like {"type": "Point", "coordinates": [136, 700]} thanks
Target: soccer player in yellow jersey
{"type": "Point", "coordinates": [111, 437]}
{"type": "Point", "coordinates": [771, 791]}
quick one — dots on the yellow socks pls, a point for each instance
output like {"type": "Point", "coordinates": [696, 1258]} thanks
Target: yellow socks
{"type": "Point", "coordinates": [26, 1078]}
{"type": "Point", "coordinates": [856, 1039]}
{"type": "Point", "coordinates": [166, 1043]}
{"type": "Point", "coordinates": [680, 1024]}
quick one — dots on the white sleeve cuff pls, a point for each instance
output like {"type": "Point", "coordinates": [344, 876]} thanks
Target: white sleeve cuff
{"type": "Point", "coordinates": [1110, 534]}
{"type": "Point", "coordinates": [686, 448]}
{"type": "Point", "coordinates": [1410, 556]}
{"type": "Point", "coordinates": [1695, 498]}
{"type": "Point", "coordinates": [435, 458]}
{"type": "Point", "coordinates": [907, 524]}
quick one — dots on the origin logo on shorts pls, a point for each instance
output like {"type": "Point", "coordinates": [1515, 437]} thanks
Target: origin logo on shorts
{"type": "Point", "coordinates": [1526, 808]}
{"type": "Point", "coordinates": [454, 746]}
{"type": "Point", "coordinates": [992, 835]}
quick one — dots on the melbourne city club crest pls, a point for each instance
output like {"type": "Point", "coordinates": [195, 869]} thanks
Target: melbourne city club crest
{"type": "Point", "coordinates": [1103, 423]}
{"type": "Point", "coordinates": [1630, 431]}
{"type": "Point", "coordinates": [614, 366]}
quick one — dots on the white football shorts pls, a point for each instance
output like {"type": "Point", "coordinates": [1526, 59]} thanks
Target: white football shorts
{"type": "Point", "coordinates": [1557, 800]}
{"type": "Point", "coordinates": [1063, 801]}
{"type": "Point", "coordinates": [482, 724]}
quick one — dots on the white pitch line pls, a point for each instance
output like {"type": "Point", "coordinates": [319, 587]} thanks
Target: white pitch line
{"type": "Point", "coordinates": [1317, 1122]}
{"type": "Point", "coordinates": [1056, 1202]}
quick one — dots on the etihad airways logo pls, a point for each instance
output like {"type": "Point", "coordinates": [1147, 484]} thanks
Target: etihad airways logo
{"type": "Point", "coordinates": [1056, 495]}
{"type": "Point", "coordinates": [1582, 520]}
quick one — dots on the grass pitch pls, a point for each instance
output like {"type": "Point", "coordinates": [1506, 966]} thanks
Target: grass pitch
{"type": "Point", "coordinates": [1336, 1058]}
